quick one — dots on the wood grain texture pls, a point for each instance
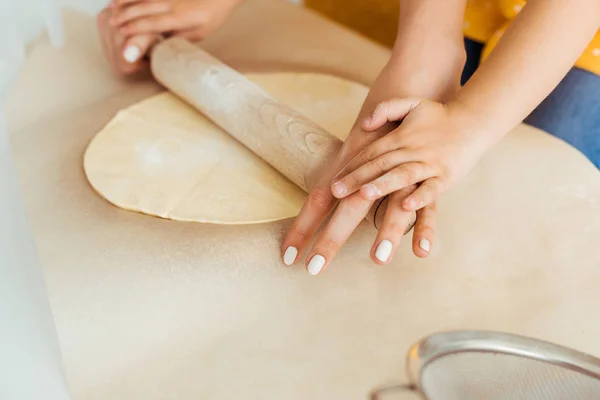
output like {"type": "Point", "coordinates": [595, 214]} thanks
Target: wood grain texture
{"type": "Point", "coordinates": [284, 138]}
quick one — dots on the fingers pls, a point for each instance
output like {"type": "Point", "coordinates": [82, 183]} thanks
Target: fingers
{"type": "Point", "coordinates": [375, 181]}
{"type": "Point", "coordinates": [393, 227]}
{"type": "Point", "coordinates": [424, 232]}
{"type": "Point", "coordinates": [125, 55]}
{"type": "Point", "coordinates": [139, 10]}
{"type": "Point", "coordinates": [427, 193]}
{"type": "Point", "coordinates": [193, 34]}
{"type": "Point", "coordinates": [398, 178]}
{"type": "Point", "coordinates": [389, 111]}
{"type": "Point", "coordinates": [349, 213]}
{"type": "Point", "coordinates": [314, 211]}
{"type": "Point", "coordinates": [317, 207]}
{"type": "Point", "coordinates": [372, 152]}
{"type": "Point", "coordinates": [136, 47]}
{"type": "Point", "coordinates": [154, 24]}
{"type": "Point", "coordinates": [365, 173]}
{"type": "Point", "coordinates": [121, 3]}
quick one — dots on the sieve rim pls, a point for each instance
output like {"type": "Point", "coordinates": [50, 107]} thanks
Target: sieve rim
{"type": "Point", "coordinates": [439, 345]}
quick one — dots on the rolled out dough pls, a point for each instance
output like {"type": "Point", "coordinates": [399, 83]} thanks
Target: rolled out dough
{"type": "Point", "coordinates": [162, 157]}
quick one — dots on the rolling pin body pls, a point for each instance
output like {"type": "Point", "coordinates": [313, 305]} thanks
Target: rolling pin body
{"type": "Point", "coordinates": [284, 138]}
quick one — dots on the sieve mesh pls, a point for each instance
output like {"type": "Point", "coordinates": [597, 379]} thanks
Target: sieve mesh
{"type": "Point", "coordinates": [494, 376]}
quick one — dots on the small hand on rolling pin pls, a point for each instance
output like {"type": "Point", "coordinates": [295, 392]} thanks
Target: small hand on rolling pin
{"type": "Point", "coordinates": [415, 70]}
{"type": "Point", "coordinates": [129, 28]}
{"type": "Point", "coordinates": [436, 144]}
{"type": "Point", "coordinates": [430, 71]}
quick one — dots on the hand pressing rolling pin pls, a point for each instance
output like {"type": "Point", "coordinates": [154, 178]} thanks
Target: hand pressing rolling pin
{"type": "Point", "coordinates": [129, 28]}
{"type": "Point", "coordinates": [529, 76]}
{"type": "Point", "coordinates": [426, 63]}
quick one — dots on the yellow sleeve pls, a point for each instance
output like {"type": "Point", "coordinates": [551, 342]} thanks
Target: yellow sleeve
{"type": "Point", "coordinates": [589, 60]}
{"type": "Point", "coordinates": [482, 19]}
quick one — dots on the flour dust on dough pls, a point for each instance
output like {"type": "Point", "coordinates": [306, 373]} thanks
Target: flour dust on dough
{"type": "Point", "coordinates": [162, 157]}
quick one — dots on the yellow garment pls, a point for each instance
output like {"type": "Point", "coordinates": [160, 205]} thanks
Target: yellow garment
{"type": "Point", "coordinates": [485, 21]}
{"type": "Point", "coordinates": [376, 19]}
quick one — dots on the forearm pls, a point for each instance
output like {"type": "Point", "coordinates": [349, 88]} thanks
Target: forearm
{"type": "Point", "coordinates": [428, 53]}
{"type": "Point", "coordinates": [535, 53]}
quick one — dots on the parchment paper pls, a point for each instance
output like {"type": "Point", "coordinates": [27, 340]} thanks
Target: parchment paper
{"type": "Point", "coordinates": [154, 309]}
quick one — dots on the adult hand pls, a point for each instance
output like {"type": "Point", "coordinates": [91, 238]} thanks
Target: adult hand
{"type": "Point", "coordinates": [129, 28]}
{"type": "Point", "coordinates": [439, 83]}
{"type": "Point", "coordinates": [123, 54]}
{"type": "Point", "coordinates": [190, 19]}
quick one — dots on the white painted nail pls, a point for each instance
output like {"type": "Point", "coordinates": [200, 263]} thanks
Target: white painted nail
{"type": "Point", "coordinates": [384, 250]}
{"type": "Point", "coordinates": [289, 257]}
{"type": "Point", "coordinates": [425, 245]}
{"type": "Point", "coordinates": [131, 54]}
{"type": "Point", "coordinates": [316, 264]}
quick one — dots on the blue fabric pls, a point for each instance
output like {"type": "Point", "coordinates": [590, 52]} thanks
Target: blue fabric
{"type": "Point", "coordinates": [473, 50]}
{"type": "Point", "coordinates": [571, 112]}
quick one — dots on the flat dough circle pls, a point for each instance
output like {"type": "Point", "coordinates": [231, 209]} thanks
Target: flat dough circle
{"type": "Point", "coordinates": [162, 157]}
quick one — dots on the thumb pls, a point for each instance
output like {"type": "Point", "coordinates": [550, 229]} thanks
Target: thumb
{"type": "Point", "coordinates": [389, 111]}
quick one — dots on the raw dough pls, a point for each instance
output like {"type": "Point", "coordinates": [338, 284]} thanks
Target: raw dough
{"type": "Point", "coordinates": [162, 157]}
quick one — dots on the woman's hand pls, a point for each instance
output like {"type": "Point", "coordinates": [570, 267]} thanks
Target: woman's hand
{"type": "Point", "coordinates": [191, 19]}
{"type": "Point", "coordinates": [434, 147]}
{"type": "Point", "coordinates": [123, 54]}
{"type": "Point", "coordinates": [436, 74]}
{"type": "Point", "coordinates": [129, 28]}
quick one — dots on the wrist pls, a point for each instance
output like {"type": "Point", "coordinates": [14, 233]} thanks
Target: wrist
{"type": "Point", "coordinates": [430, 71]}
{"type": "Point", "coordinates": [483, 131]}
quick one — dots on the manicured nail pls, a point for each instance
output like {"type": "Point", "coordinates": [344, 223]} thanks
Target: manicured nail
{"type": "Point", "coordinates": [425, 245]}
{"type": "Point", "coordinates": [131, 54]}
{"type": "Point", "coordinates": [384, 250]}
{"type": "Point", "coordinates": [371, 191]}
{"type": "Point", "coordinates": [339, 189]}
{"type": "Point", "coordinates": [316, 264]}
{"type": "Point", "coordinates": [289, 257]}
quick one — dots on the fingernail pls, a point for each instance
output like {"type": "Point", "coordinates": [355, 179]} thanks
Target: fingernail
{"type": "Point", "coordinates": [384, 250]}
{"type": "Point", "coordinates": [131, 54]}
{"type": "Point", "coordinates": [371, 191]}
{"type": "Point", "coordinates": [316, 264]}
{"type": "Point", "coordinates": [339, 189]}
{"type": "Point", "coordinates": [368, 121]}
{"type": "Point", "coordinates": [425, 245]}
{"type": "Point", "coordinates": [289, 257]}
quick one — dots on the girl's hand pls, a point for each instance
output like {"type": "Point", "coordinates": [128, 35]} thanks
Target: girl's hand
{"type": "Point", "coordinates": [434, 146]}
{"type": "Point", "coordinates": [429, 69]}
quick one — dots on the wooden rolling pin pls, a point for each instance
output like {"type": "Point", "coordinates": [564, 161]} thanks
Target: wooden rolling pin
{"type": "Point", "coordinates": [284, 138]}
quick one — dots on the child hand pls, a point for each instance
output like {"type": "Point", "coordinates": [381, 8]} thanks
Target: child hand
{"type": "Point", "coordinates": [191, 19]}
{"type": "Point", "coordinates": [435, 145]}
